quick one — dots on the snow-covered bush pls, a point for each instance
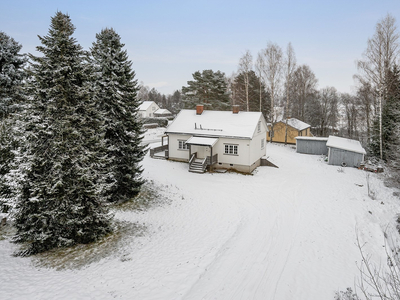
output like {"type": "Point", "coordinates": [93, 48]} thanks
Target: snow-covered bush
{"type": "Point", "coordinates": [162, 122]}
{"type": "Point", "coordinates": [346, 295]}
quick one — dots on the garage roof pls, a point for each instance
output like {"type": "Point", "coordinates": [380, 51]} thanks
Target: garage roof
{"type": "Point", "coordinates": [345, 144]}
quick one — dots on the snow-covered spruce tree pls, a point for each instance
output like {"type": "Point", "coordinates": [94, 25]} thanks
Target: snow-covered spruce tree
{"type": "Point", "coordinates": [208, 88]}
{"type": "Point", "coordinates": [12, 74]}
{"type": "Point", "coordinates": [60, 203]}
{"type": "Point", "coordinates": [116, 97]}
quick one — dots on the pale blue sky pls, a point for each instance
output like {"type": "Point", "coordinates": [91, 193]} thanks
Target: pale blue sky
{"type": "Point", "coordinates": [169, 40]}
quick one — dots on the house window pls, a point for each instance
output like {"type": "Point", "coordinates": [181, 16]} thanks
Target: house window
{"type": "Point", "coordinates": [231, 149]}
{"type": "Point", "coordinates": [154, 108]}
{"type": "Point", "coordinates": [259, 126]}
{"type": "Point", "coordinates": [262, 143]}
{"type": "Point", "coordinates": [182, 145]}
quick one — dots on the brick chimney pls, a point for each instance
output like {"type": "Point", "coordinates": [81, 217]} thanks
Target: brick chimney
{"type": "Point", "coordinates": [199, 109]}
{"type": "Point", "coordinates": [235, 109]}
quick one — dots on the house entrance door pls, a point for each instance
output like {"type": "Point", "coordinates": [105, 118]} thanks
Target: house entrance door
{"type": "Point", "coordinates": [202, 151]}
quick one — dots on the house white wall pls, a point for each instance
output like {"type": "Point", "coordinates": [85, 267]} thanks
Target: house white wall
{"type": "Point", "coordinates": [258, 149]}
{"type": "Point", "coordinates": [174, 152]}
{"type": "Point", "coordinates": [242, 158]}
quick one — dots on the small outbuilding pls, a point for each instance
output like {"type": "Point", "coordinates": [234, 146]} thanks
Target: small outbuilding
{"type": "Point", "coordinates": [295, 128]}
{"type": "Point", "coordinates": [312, 145]}
{"type": "Point", "coordinates": [344, 152]}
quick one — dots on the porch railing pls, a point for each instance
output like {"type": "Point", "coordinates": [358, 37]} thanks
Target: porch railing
{"type": "Point", "coordinates": [158, 149]}
{"type": "Point", "coordinates": [213, 160]}
{"type": "Point", "coordinates": [204, 164]}
{"type": "Point", "coordinates": [194, 155]}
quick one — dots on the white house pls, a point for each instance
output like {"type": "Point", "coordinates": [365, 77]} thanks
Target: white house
{"type": "Point", "coordinates": [147, 109]}
{"type": "Point", "coordinates": [217, 139]}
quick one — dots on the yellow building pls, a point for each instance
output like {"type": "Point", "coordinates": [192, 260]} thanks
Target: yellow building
{"type": "Point", "coordinates": [295, 128]}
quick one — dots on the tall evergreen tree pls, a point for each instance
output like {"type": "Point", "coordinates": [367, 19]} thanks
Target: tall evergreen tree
{"type": "Point", "coordinates": [176, 102]}
{"type": "Point", "coordinates": [12, 74]}
{"type": "Point", "coordinates": [251, 94]}
{"type": "Point", "coordinates": [60, 203]}
{"type": "Point", "coordinates": [116, 96]}
{"type": "Point", "coordinates": [208, 88]}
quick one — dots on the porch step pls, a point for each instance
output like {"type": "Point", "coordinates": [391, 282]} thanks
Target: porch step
{"type": "Point", "coordinates": [196, 167]}
{"type": "Point", "coordinates": [196, 171]}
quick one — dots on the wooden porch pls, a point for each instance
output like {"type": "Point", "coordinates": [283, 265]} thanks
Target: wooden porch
{"type": "Point", "coordinates": [199, 165]}
{"type": "Point", "coordinates": [160, 152]}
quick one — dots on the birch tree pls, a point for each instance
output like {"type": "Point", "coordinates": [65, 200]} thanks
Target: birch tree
{"type": "Point", "coordinates": [273, 58]}
{"type": "Point", "coordinates": [259, 67]}
{"type": "Point", "coordinates": [255, 87]}
{"type": "Point", "coordinates": [365, 97]}
{"type": "Point", "coordinates": [288, 70]}
{"type": "Point", "coordinates": [381, 53]}
{"type": "Point", "coordinates": [329, 101]}
{"type": "Point", "coordinates": [245, 66]}
{"type": "Point", "coordinates": [351, 113]}
{"type": "Point", "coordinates": [304, 85]}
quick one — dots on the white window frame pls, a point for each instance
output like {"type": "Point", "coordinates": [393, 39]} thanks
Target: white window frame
{"type": "Point", "coordinates": [262, 143]}
{"type": "Point", "coordinates": [182, 145]}
{"type": "Point", "coordinates": [259, 126]}
{"type": "Point", "coordinates": [231, 149]}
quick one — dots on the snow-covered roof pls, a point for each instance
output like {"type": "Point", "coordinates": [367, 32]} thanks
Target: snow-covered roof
{"type": "Point", "coordinates": [297, 124]}
{"type": "Point", "coordinates": [162, 111]}
{"type": "Point", "coordinates": [205, 141]}
{"type": "Point", "coordinates": [215, 123]}
{"type": "Point", "coordinates": [312, 138]}
{"type": "Point", "coordinates": [345, 144]}
{"type": "Point", "coordinates": [145, 105]}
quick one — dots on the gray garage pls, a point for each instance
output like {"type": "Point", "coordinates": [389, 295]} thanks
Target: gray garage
{"type": "Point", "coordinates": [311, 145]}
{"type": "Point", "coordinates": [344, 152]}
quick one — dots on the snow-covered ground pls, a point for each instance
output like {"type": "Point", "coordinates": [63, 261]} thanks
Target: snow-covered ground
{"type": "Point", "coordinates": [286, 233]}
{"type": "Point", "coordinates": [153, 135]}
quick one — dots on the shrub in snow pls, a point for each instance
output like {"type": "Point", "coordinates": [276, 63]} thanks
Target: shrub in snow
{"type": "Point", "coordinates": [346, 295]}
{"type": "Point", "coordinates": [161, 122]}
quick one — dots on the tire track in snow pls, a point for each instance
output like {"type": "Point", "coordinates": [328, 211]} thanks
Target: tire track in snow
{"type": "Point", "coordinates": [245, 277]}
{"type": "Point", "coordinates": [293, 239]}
